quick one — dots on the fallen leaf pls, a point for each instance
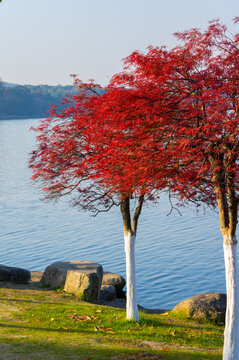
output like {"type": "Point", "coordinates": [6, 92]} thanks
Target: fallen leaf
{"type": "Point", "coordinates": [97, 328]}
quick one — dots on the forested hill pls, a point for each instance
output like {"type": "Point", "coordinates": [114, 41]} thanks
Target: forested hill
{"type": "Point", "coordinates": [25, 101]}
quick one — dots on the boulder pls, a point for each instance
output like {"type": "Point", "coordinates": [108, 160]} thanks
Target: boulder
{"type": "Point", "coordinates": [14, 274]}
{"type": "Point", "coordinates": [82, 278]}
{"type": "Point", "coordinates": [107, 293]}
{"type": "Point", "coordinates": [210, 306]}
{"type": "Point", "coordinates": [114, 280]}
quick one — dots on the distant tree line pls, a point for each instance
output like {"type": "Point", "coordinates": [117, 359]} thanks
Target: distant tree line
{"type": "Point", "coordinates": [30, 101]}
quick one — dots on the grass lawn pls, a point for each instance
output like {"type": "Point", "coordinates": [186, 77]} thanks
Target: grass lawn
{"type": "Point", "coordinates": [38, 323]}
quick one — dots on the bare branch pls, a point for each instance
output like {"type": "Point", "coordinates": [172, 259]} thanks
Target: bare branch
{"type": "Point", "coordinates": [172, 206]}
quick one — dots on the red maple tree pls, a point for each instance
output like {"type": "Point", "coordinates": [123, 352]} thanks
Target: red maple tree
{"type": "Point", "coordinates": [208, 127]}
{"type": "Point", "coordinates": [191, 95]}
{"type": "Point", "coordinates": [94, 152]}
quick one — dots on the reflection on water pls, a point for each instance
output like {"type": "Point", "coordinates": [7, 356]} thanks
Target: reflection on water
{"type": "Point", "coordinates": [176, 256]}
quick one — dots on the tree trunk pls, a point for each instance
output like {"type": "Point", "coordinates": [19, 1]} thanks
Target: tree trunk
{"type": "Point", "coordinates": [224, 184]}
{"type": "Point", "coordinates": [231, 333]}
{"type": "Point", "coordinates": [129, 239]}
{"type": "Point", "coordinates": [131, 306]}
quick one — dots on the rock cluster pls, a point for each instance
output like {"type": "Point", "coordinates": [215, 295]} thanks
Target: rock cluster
{"type": "Point", "coordinates": [112, 287]}
{"type": "Point", "coordinates": [84, 279]}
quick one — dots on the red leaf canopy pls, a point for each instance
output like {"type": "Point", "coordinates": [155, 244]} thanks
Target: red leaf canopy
{"type": "Point", "coordinates": [168, 121]}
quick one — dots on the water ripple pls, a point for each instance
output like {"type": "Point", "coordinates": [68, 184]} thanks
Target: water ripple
{"type": "Point", "coordinates": [176, 257]}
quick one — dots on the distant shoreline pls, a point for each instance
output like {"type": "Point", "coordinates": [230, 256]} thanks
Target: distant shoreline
{"type": "Point", "coordinates": [22, 117]}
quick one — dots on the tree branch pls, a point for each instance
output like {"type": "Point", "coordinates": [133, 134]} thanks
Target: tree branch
{"type": "Point", "coordinates": [137, 213]}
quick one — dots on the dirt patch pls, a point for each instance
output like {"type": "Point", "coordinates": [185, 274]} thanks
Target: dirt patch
{"type": "Point", "coordinates": [10, 285]}
{"type": "Point", "coordinates": [36, 276]}
{"type": "Point", "coordinates": [5, 353]}
{"type": "Point", "coordinates": [35, 279]}
{"type": "Point", "coordinates": [161, 346]}
{"type": "Point", "coordinates": [138, 356]}
{"type": "Point", "coordinates": [6, 310]}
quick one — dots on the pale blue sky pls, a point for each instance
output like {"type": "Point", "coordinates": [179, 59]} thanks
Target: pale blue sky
{"type": "Point", "coordinates": [44, 41]}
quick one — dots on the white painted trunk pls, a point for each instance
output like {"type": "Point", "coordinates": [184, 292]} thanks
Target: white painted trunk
{"type": "Point", "coordinates": [131, 305]}
{"type": "Point", "coordinates": [231, 333]}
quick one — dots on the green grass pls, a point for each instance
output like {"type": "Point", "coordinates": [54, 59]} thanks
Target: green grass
{"type": "Point", "coordinates": [38, 323]}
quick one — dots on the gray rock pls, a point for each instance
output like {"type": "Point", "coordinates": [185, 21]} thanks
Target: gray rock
{"type": "Point", "coordinates": [82, 278]}
{"type": "Point", "coordinates": [107, 293]}
{"type": "Point", "coordinates": [14, 274]}
{"type": "Point", "coordinates": [55, 275]}
{"type": "Point", "coordinates": [115, 280]}
{"type": "Point", "coordinates": [210, 306]}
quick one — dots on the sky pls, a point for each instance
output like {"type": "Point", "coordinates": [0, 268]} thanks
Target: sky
{"type": "Point", "coordinates": [44, 41]}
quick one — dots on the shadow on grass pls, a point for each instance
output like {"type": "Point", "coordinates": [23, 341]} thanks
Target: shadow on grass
{"type": "Point", "coordinates": [93, 350]}
{"type": "Point", "coordinates": [135, 341]}
{"type": "Point", "coordinates": [33, 285]}
{"type": "Point", "coordinates": [37, 302]}
{"type": "Point", "coordinates": [49, 329]}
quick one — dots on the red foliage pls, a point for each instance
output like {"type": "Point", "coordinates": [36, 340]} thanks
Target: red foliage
{"type": "Point", "coordinates": [190, 96]}
{"type": "Point", "coordinates": [98, 148]}
{"type": "Point", "coordinates": [157, 126]}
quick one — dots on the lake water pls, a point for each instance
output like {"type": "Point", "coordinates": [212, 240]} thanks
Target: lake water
{"type": "Point", "coordinates": [176, 256]}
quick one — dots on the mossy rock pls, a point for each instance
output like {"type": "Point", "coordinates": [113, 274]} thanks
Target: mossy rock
{"type": "Point", "coordinates": [203, 307]}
